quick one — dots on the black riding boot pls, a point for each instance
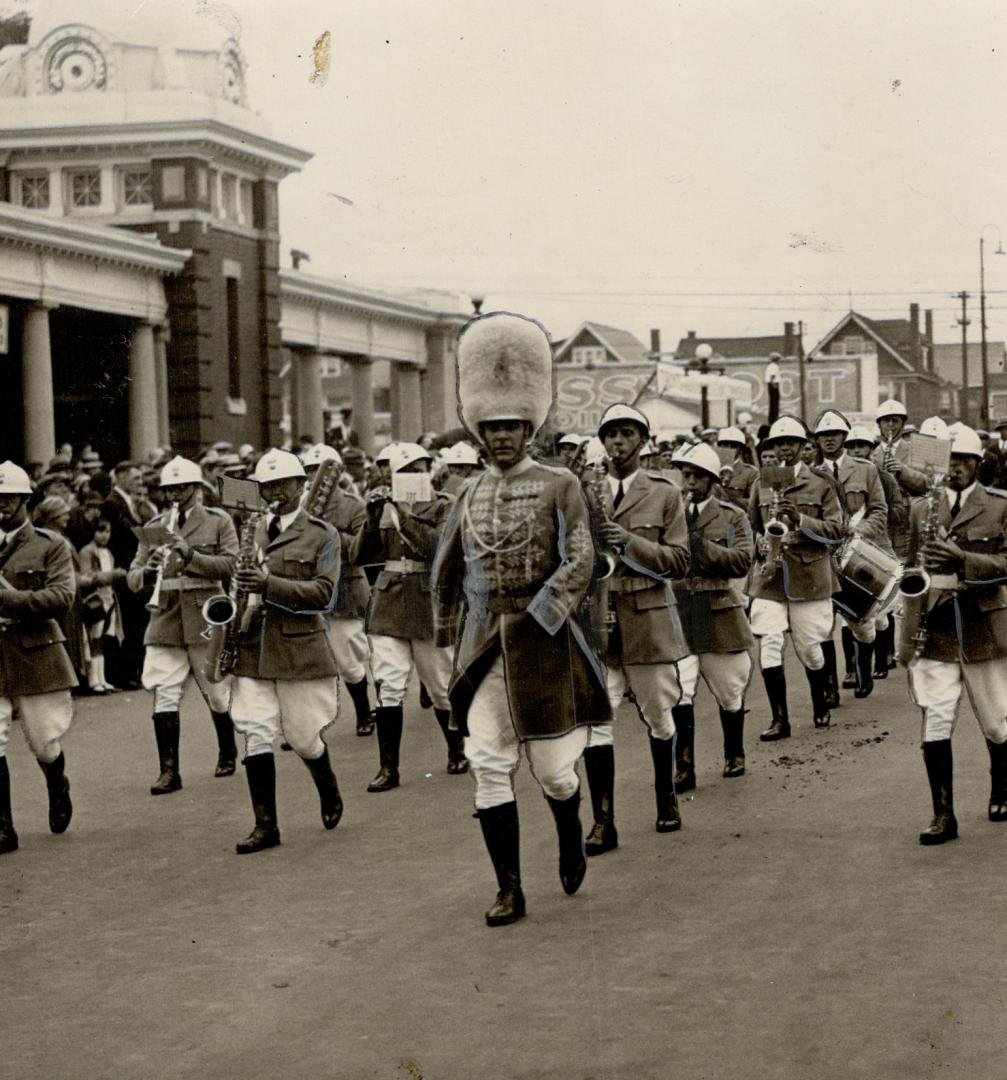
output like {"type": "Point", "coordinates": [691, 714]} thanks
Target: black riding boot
{"type": "Point", "coordinates": [865, 666]}
{"type": "Point", "coordinates": [166, 731]}
{"type": "Point", "coordinates": [328, 790]}
{"type": "Point", "coordinates": [457, 762]}
{"type": "Point", "coordinates": [685, 747]}
{"type": "Point", "coordinates": [940, 772]}
{"type": "Point", "coordinates": [850, 656]}
{"type": "Point", "coordinates": [662, 753]}
{"type": "Point", "coordinates": [425, 700]}
{"type": "Point", "coordinates": [503, 842]}
{"type": "Point", "coordinates": [998, 781]}
{"type": "Point", "coordinates": [733, 725]}
{"type": "Point", "coordinates": [831, 688]}
{"type": "Point", "coordinates": [884, 646]}
{"type": "Point", "coordinates": [775, 679]}
{"type": "Point", "coordinates": [260, 771]}
{"type": "Point", "coordinates": [227, 751]}
{"type": "Point", "coordinates": [58, 787]}
{"type": "Point", "coordinates": [819, 682]}
{"type": "Point", "coordinates": [8, 837]}
{"type": "Point", "coordinates": [389, 722]}
{"type": "Point", "coordinates": [572, 864]}
{"type": "Point", "coordinates": [599, 765]}
{"type": "Point", "coordinates": [361, 706]}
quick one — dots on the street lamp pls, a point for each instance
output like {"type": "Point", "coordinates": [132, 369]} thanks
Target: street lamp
{"type": "Point", "coordinates": [982, 316]}
{"type": "Point", "coordinates": [703, 354]}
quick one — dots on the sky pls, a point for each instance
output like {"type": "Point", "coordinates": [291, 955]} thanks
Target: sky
{"type": "Point", "coordinates": [711, 166]}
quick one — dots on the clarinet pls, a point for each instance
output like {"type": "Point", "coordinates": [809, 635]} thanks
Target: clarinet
{"type": "Point", "coordinates": [154, 603]}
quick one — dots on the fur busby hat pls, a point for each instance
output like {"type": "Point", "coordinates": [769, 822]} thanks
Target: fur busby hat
{"type": "Point", "coordinates": [504, 371]}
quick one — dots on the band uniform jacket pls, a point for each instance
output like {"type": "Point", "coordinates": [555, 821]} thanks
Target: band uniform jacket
{"type": "Point", "coordinates": [39, 569]}
{"type": "Point", "coordinates": [914, 481]}
{"type": "Point", "coordinates": [511, 571]}
{"type": "Point", "coordinates": [401, 604]}
{"type": "Point", "coordinates": [860, 484]}
{"type": "Point", "coordinates": [711, 608]}
{"type": "Point", "coordinates": [805, 569]}
{"type": "Point", "coordinates": [346, 513]}
{"type": "Point", "coordinates": [968, 625]}
{"type": "Point", "coordinates": [737, 487]}
{"type": "Point", "coordinates": [178, 622]}
{"type": "Point", "coordinates": [283, 633]}
{"type": "Point", "coordinates": [647, 629]}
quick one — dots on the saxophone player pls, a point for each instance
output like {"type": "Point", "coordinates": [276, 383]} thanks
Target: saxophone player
{"type": "Point", "coordinates": [645, 526]}
{"type": "Point", "coordinates": [190, 571]}
{"type": "Point", "coordinates": [965, 627]}
{"type": "Point", "coordinates": [794, 592]}
{"type": "Point", "coordinates": [285, 673]}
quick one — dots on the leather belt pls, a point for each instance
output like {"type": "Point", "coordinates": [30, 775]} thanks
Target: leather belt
{"type": "Point", "coordinates": [703, 584]}
{"type": "Point", "coordinates": [407, 566]}
{"type": "Point", "coordinates": [632, 584]}
{"type": "Point", "coordinates": [508, 605]}
{"type": "Point", "coordinates": [186, 584]}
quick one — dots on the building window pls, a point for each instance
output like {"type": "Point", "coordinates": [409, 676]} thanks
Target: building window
{"type": "Point", "coordinates": [202, 184]}
{"type": "Point", "coordinates": [137, 188]}
{"type": "Point", "coordinates": [35, 192]}
{"type": "Point", "coordinates": [246, 202]}
{"type": "Point", "coordinates": [233, 341]}
{"type": "Point", "coordinates": [587, 355]}
{"type": "Point", "coordinates": [229, 197]}
{"type": "Point", "coordinates": [331, 367]}
{"type": "Point", "coordinates": [85, 188]}
{"type": "Point", "coordinates": [853, 346]}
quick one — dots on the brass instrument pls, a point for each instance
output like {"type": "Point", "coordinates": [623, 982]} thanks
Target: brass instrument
{"type": "Point", "coordinates": [916, 582]}
{"type": "Point", "coordinates": [775, 534]}
{"type": "Point", "coordinates": [154, 603]}
{"type": "Point", "coordinates": [225, 612]}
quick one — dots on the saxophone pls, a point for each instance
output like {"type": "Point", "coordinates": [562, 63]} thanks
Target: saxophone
{"type": "Point", "coordinates": [225, 612]}
{"type": "Point", "coordinates": [915, 583]}
{"type": "Point", "coordinates": [774, 535]}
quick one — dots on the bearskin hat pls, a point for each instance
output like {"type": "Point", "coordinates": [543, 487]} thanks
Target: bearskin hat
{"type": "Point", "coordinates": [504, 371]}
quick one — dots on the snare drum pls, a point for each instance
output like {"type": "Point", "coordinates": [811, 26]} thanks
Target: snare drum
{"type": "Point", "coordinates": [868, 579]}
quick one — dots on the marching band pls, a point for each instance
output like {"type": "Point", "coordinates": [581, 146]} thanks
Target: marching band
{"type": "Point", "coordinates": [532, 594]}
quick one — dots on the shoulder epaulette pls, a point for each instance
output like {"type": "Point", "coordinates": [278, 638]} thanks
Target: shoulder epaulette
{"type": "Point", "coordinates": [728, 505]}
{"type": "Point", "coordinates": [998, 492]}
{"type": "Point", "coordinates": [321, 521]}
{"type": "Point", "coordinates": [659, 476]}
{"type": "Point", "coordinates": [219, 510]}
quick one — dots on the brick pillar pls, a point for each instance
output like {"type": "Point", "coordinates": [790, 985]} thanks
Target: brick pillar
{"type": "Point", "coordinates": [407, 410]}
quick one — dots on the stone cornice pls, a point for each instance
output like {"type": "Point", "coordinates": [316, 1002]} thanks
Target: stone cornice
{"type": "Point", "coordinates": [33, 229]}
{"type": "Point", "coordinates": [296, 286]}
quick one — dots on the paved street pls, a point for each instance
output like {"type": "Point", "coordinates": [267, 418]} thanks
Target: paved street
{"type": "Point", "coordinates": [794, 928]}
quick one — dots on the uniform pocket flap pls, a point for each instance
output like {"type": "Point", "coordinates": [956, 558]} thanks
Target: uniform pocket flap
{"type": "Point", "coordinates": [300, 569]}
{"type": "Point", "coordinates": [297, 625]}
{"type": "Point", "coordinates": [992, 599]}
{"type": "Point", "coordinates": [651, 599]}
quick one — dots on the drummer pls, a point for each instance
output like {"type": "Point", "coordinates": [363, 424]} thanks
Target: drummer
{"type": "Point", "coordinates": [867, 509]}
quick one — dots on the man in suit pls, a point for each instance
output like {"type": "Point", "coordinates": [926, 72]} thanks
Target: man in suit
{"type": "Point", "coordinates": [792, 582]}
{"type": "Point", "coordinates": [712, 611]}
{"type": "Point", "coordinates": [285, 673]}
{"type": "Point", "coordinates": [643, 529]}
{"type": "Point", "coordinates": [35, 670]}
{"type": "Point", "coordinates": [964, 627]}
{"type": "Point", "coordinates": [122, 512]}
{"type": "Point", "coordinates": [867, 509]}
{"type": "Point", "coordinates": [192, 569]}
{"type": "Point", "coordinates": [347, 514]}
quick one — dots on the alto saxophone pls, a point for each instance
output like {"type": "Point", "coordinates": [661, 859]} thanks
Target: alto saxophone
{"type": "Point", "coordinates": [775, 534]}
{"type": "Point", "coordinates": [225, 612]}
{"type": "Point", "coordinates": [914, 585]}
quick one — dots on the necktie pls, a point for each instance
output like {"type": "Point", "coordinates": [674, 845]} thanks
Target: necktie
{"type": "Point", "coordinates": [957, 504]}
{"type": "Point", "coordinates": [273, 528]}
{"type": "Point", "coordinates": [835, 469]}
{"type": "Point", "coordinates": [619, 493]}
{"type": "Point", "coordinates": [181, 518]}
{"type": "Point", "coordinates": [693, 514]}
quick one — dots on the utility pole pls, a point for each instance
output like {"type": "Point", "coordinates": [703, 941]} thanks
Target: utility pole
{"type": "Point", "coordinates": [963, 322]}
{"type": "Point", "coordinates": [984, 412]}
{"type": "Point", "coordinates": [800, 369]}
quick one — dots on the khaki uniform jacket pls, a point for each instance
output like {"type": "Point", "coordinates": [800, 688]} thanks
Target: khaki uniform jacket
{"type": "Point", "coordinates": [969, 625]}
{"type": "Point", "coordinates": [648, 628]}
{"type": "Point", "coordinates": [401, 605]}
{"type": "Point", "coordinates": [805, 570]}
{"type": "Point", "coordinates": [511, 572]}
{"type": "Point", "coordinates": [33, 658]}
{"type": "Point", "coordinates": [743, 479]}
{"type": "Point", "coordinates": [347, 514]}
{"type": "Point", "coordinates": [711, 608]}
{"type": "Point", "coordinates": [178, 621]}
{"type": "Point", "coordinates": [912, 480]}
{"type": "Point", "coordinates": [860, 483]}
{"type": "Point", "coordinates": [283, 635]}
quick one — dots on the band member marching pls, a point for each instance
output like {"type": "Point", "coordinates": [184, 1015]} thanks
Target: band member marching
{"type": "Point", "coordinates": [36, 590]}
{"type": "Point", "coordinates": [867, 509]}
{"type": "Point", "coordinates": [955, 633]}
{"type": "Point", "coordinates": [346, 513]}
{"type": "Point", "coordinates": [643, 530]}
{"type": "Point", "coordinates": [400, 624]}
{"type": "Point", "coordinates": [183, 574]}
{"type": "Point", "coordinates": [513, 566]}
{"type": "Point", "coordinates": [793, 581]}
{"type": "Point", "coordinates": [284, 672]}
{"type": "Point", "coordinates": [712, 610]}
{"type": "Point", "coordinates": [739, 478]}
{"type": "Point", "coordinates": [892, 452]}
